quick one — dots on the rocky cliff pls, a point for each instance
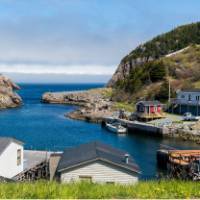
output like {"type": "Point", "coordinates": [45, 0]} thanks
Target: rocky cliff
{"type": "Point", "coordinates": [145, 72]}
{"type": "Point", "coordinates": [164, 44]}
{"type": "Point", "coordinates": [8, 97]}
{"type": "Point", "coordinates": [124, 69]}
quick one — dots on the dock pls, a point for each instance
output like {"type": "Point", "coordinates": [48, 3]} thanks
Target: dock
{"type": "Point", "coordinates": [136, 126]}
{"type": "Point", "coordinates": [163, 156]}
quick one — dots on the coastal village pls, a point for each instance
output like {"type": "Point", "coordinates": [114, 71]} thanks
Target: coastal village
{"type": "Point", "coordinates": [180, 119]}
{"type": "Point", "coordinates": [177, 115]}
{"type": "Point", "coordinates": [99, 99]}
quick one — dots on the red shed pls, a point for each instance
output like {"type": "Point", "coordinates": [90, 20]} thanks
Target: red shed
{"type": "Point", "coordinates": [149, 109]}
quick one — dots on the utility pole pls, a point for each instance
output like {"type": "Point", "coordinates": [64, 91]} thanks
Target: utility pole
{"type": "Point", "coordinates": [169, 90]}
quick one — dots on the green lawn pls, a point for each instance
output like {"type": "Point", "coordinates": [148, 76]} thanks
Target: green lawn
{"type": "Point", "coordinates": [148, 189]}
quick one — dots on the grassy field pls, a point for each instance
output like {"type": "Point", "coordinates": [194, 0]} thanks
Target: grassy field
{"type": "Point", "coordinates": [124, 106]}
{"type": "Point", "coordinates": [150, 189]}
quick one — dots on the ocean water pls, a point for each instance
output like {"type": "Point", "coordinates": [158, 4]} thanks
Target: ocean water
{"type": "Point", "coordinates": [44, 127]}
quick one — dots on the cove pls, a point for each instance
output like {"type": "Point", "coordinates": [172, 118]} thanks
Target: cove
{"type": "Point", "coordinates": [44, 127]}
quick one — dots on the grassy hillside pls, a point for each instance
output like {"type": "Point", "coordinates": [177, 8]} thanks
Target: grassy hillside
{"type": "Point", "coordinates": [144, 72]}
{"type": "Point", "coordinates": [151, 79]}
{"type": "Point", "coordinates": [150, 189]}
{"type": "Point", "coordinates": [163, 44]}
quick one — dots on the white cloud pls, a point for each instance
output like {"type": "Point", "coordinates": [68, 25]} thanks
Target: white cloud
{"type": "Point", "coordinates": [57, 69]}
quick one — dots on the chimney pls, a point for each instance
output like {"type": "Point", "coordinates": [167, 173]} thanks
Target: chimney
{"type": "Point", "coordinates": [126, 158]}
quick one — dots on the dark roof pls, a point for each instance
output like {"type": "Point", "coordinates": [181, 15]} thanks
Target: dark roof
{"type": "Point", "coordinates": [148, 103]}
{"type": "Point", "coordinates": [95, 151]}
{"type": "Point", "coordinates": [191, 90]}
{"type": "Point", "coordinates": [5, 141]}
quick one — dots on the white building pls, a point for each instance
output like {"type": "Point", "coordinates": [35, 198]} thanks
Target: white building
{"type": "Point", "coordinates": [98, 163]}
{"type": "Point", "coordinates": [188, 97]}
{"type": "Point", "coordinates": [11, 157]}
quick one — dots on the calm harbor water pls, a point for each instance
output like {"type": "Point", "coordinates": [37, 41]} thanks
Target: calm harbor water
{"type": "Point", "coordinates": [44, 127]}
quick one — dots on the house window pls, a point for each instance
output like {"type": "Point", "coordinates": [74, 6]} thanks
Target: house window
{"type": "Point", "coordinates": [189, 97]}
{"type": "Point", "coordinates": [182, 96]}
{"type": "Point", "coordinates": [110, 182]}
{"type": "Point", "coordinates": [85, 178]}
{"type": "Point", "coordinates": [197, 98]}
{"type": "Point", "coordinates": [19, 156]}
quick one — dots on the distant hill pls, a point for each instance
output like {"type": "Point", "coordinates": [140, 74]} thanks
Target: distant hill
{"type": "Point", "coordinates": [145, 71]}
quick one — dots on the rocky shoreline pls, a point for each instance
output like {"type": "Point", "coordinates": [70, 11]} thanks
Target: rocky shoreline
{"type": "Point", "coordinates": [8, 97]}
{"type": "Point", "coordinates": [94, 104]}
{"type": "Point", "coordinates": [187, 131]}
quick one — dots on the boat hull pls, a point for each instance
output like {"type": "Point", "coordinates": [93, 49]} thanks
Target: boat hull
{"type": "Point", "coordinates": [114, 129]}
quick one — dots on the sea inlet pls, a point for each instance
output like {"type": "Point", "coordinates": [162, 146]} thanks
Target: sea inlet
{"type": "Point", "coordinates": [44, 127]}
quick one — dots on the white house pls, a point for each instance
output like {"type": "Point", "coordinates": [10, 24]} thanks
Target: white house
{"type": "Point", "coordinates": [11, 157]}
{"type": "Point", "coordinates": [188, 97]}
{"type": "Point", "coordinates": [98, 163]}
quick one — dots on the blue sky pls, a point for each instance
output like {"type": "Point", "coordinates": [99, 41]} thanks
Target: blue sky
{"type": "Point", "coordinates": [78, 38]}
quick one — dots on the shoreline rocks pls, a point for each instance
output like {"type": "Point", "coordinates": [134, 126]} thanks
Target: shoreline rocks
{"type": "Point", "coordinates": [188, 131]}
{"type": "Point", "coordinates": [8, 97]}
{"type": "Point", "coordinates": [93, 104]}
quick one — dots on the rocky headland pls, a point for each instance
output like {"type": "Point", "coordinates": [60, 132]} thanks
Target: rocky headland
{"type": "Point", "coordinates": [8, 97]}
{"type": "Point", "coordinates": [145, 72]}
{"type": "Point", "coordinates": [92, 104]}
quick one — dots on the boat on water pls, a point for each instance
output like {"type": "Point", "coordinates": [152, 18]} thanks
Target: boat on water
{"type": "Point", "coordinates": [116, 128]}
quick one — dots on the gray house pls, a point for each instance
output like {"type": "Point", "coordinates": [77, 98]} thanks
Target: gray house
{"type": "Point", "coordinates": [187, 101]}
{"type": "Point", "coordinates": [98, 163]}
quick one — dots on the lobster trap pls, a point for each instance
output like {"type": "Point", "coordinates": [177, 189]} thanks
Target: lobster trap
{"type": "Point", "coordinates": [184, 164]}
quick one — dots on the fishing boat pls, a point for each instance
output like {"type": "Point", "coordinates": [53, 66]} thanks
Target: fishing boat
{"type": "Point", "coordinates": [116, 128]}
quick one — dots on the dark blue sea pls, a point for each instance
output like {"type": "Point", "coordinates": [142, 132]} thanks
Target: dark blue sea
{"type": "Point", "coordinates": [44, 127]}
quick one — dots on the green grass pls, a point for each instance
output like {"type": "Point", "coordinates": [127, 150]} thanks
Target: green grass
{"type": "Point", "coordinates": [144, 189]}
{"type": "Point", "coordinates": [123, 105]}
{"type": "Point", "coordinates": [107, 92]}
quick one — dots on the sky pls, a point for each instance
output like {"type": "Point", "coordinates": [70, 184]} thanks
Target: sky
{"type": "Point", "coordinates": [81, 40]}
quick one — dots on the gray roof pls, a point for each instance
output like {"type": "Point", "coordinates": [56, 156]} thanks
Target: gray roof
{"type": "Point", "coordinates": [5, 141]}
{"type": "Point", "coordinates": [95, 151]}
{"type": "Point", "coordinates": [148, 103]}
{"type": "Point", "coordinates": [33, 158]}
{"type": "Point", "coordinates": [191, 90]}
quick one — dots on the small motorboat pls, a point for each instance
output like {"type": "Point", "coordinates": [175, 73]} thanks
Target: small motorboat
{"type": "Point", "coordinates": [116, 128]}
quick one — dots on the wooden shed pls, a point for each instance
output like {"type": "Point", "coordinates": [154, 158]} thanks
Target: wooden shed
{"type": "Point", "coordinates": [98, 163]}
{"type": "Point", "coordinates": [149, 110]}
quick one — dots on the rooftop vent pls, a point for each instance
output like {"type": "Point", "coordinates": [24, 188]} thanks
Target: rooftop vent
{"type": "Point", "coordinates": [126, 158]}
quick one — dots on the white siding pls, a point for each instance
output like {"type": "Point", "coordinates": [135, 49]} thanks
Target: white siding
{"type": "Point", "coordinates": [100, 173]}
{"type": "Point", "coordinates": [8, 161]}
{"type": "Point", "coordinates": [190, 98]}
